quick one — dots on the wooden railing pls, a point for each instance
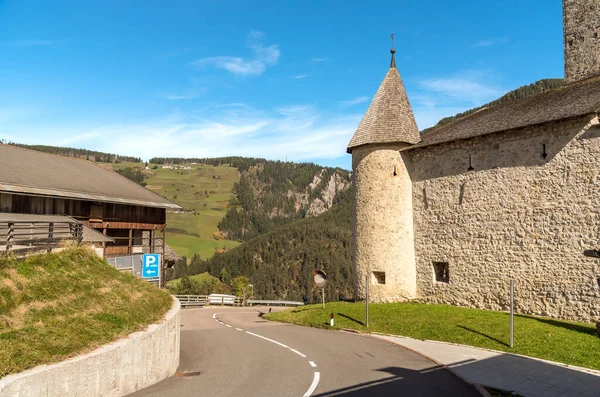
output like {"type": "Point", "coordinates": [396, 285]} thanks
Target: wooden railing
{"type": "Point", "coordinates": [25, 235]}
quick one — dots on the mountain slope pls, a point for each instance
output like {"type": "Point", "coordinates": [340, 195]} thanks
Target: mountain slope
{"type": "Point", "coordinates": [280, 263]}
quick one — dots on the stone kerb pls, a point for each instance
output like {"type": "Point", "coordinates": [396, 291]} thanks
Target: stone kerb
{"type": "Point", "coordinates": [122, 367]}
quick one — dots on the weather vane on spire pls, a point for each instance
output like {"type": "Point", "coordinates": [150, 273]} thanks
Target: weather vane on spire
{"type": "Point", "coordinates": [393, 50]}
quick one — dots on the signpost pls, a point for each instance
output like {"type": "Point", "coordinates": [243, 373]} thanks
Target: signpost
{"type": "Point", "coordinates": [321, 279]}
{"type": "Point", "coordinates": [151, 266]}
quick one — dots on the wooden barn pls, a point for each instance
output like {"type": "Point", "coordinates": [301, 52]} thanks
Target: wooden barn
{"type": "Point", "coordinates": [132, 217]}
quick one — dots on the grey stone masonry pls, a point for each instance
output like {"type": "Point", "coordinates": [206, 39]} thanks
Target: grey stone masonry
{"type": "Point", "coordinates": [582, 39]}
{"type": "Point", "coordinates": [527, 210]}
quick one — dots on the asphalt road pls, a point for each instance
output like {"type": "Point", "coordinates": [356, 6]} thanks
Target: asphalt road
{"type": "Point", "coordinates": [234, 352]}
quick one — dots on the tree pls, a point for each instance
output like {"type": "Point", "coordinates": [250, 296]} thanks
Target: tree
{"type": "Point", "coordinates": [223, 276]}
{"type": "Point", "coordinates": [240, 286]}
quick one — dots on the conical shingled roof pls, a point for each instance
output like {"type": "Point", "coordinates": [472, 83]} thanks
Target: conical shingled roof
{"type": "Point", "coordinates": [389, 118]}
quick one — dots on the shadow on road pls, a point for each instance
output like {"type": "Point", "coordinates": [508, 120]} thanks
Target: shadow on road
{"type": "Point", "coordinates": [435, 382]}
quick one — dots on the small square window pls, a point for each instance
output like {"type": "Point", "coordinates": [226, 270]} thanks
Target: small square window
{"type": "Point", "coordinates": [441, 272]}
{"type": "Point", "coordinates": [378, 277]}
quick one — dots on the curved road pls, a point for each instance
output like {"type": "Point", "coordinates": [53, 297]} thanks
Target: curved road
{"type": "Point", "coordinates": [234, 352]}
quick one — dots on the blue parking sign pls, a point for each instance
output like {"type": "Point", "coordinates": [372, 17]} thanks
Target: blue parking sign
{"type": "Point", "coordinates": [150, 265]}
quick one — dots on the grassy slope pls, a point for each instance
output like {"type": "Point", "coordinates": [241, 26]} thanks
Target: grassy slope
{"type": "Point", "coordinates": [56, 306]}
{"type": "Point", "coordinates": [190, 234]}
{"type": "Point", "coordinates": [566, 342]}
{"type": "Point", "coordinates": [198, 277]}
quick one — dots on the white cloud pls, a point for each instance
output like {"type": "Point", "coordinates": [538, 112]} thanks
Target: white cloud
{"type": "Point", "coordinates": [263, 57]}
{"type": "Point", "coordinates": [355, 101]}
{"type": "Point", "coordinates": [322, 59]}
{"type": "Point", "coordinates": [470, 87]}
{"type": "Point", "coordinates": [488, 42]}
{"type": "Point", "coordinates": [298, 132]}
{"type": "Point", "coordinates": [441, 97]}
{"type": "Point", "coordinates": [300, 76]}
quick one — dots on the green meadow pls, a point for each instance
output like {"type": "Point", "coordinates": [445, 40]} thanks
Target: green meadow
{"type": "Point", "coordinates": [204, 192]}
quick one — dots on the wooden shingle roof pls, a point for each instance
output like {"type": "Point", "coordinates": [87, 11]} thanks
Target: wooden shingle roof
{"type": "Point", "coordinates": [31, 172]}
{"type": "Point", "coordinates": [573, 100]}
{"type": "Point", "coordinates": [389, 118]}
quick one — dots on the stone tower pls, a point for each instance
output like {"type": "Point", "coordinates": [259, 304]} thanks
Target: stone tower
{"type": "Point", "coordinates": [383, 236]}
{"type": "Point", "coordinates": [581, 20]}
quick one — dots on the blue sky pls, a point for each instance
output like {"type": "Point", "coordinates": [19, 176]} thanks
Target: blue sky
{"type": "Point", "coordinates": [275, 79]}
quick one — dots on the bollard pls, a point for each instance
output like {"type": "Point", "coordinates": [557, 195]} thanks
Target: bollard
{"type": "Point", "coordinates": [331, 320]}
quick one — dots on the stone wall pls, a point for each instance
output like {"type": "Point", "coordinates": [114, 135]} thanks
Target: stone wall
{"type": "Point", "coordinates": [518, 214]}
{"type": "Point", "coordinates": [582, 38]}
{"type": "Point", "coordinates": [383, 223]}
{"type": "Point", "coordinates": [132, 363]}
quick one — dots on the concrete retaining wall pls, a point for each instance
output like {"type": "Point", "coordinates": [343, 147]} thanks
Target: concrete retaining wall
{"type": "Point", "coordinates": [137, 361]}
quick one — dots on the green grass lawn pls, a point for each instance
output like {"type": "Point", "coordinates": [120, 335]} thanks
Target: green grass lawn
{"type": "Point", "coordinates": [56, 306]}
{"type": "Point", "coordinates": [550, 339]}
{"type": "Point", "coordinates": [204, 189]}
{"type": "Point", "coordinates": [198, 277]}
{"type": "Point", "coordinates": [186, 245]}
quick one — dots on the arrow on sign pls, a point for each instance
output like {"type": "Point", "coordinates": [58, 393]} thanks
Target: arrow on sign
{"type": "Point", "coordinates": [150, 271]}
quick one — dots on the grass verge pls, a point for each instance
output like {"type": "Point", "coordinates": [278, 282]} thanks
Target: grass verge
{"type": "Point", "coordinates": [55, 306]}
{"type": "Point", "coordinates": [545, 338]}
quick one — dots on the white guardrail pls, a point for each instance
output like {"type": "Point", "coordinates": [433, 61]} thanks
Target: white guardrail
{"type": "Point", "coordinates": [229, 300]}
{"type": "Point", "coordinates": [252, 302]}
{"type": "Point", "coordinates": [213, 299]}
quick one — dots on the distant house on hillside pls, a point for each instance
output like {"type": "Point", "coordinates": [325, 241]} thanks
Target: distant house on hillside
{"type": "Point", "coordinates": [36, 183]}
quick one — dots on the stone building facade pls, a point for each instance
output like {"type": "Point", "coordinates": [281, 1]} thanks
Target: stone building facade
{"type": "Point", "coordinates": [582, 38]}
{"type": "Point", "coordinates": [509, 192]}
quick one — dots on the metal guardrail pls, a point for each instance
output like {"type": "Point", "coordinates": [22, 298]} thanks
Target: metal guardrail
{"type": "Point", "coordinates": [192, 300]}
{"type": "Point", "coordinates": [252, 302]}
{"type": "Point", "coordinates": [203, 300]}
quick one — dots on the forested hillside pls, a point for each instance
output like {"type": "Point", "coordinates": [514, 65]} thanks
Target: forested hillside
{"type": "Point", "coordinates": [90, 155]}
{"type": "Point", "coordinates": [272, 193]}
{"type": "Point", "coordinates": [280, 263]}
{"type": "Point", "coordinates": [521, 92]}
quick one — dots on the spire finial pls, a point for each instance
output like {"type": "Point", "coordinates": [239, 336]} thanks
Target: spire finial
{"type": "Point", "coordinates": [393, 51]}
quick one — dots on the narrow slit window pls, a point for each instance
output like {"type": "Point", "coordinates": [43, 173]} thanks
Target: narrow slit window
{"type": "Point", "coordinates": [378, 277]}
{"type": "Point", "coordinates": [441, 270]}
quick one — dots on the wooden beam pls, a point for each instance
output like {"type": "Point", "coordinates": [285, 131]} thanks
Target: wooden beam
{"type": "Point", "coordinates": [127, 225]}
{"type": "Point", "coordinates": [130, 241]}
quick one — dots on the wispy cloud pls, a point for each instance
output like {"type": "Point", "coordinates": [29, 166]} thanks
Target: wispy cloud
{"type": "Point", "coordinates": [468, 87]}
{"type": "Point", "coordinates": [436, 98]}
{"type": "Point", "coordinates": [299, 132]}
{"type": "Point", "coordinates": [355, 101]}
{"type": "Point", "coordinates": [489, 42]}
{"type": "Point", "coordinates": [322, 59]}
{"type": "Point", "coordinates": [300, 76]}
{"type": "Point", "coordinates": [263, 57]}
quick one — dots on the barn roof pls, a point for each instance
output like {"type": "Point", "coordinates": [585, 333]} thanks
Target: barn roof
{"type": "Point", "coordinates": [31, 172]}
{"type": "Point", "coordinates": [389, 118]}
{"type": "Point", "coordinates": [573, 100]}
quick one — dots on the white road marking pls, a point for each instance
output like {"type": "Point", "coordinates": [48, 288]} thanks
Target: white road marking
{"type": "Point", "coordinates": [298, 353]}
{"type": "Point", "coordinates": [314, 384]}
{"type": "Point", "coordinates": [317, 375]}
{"type": "Point", "coordinates": [270, 340]}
